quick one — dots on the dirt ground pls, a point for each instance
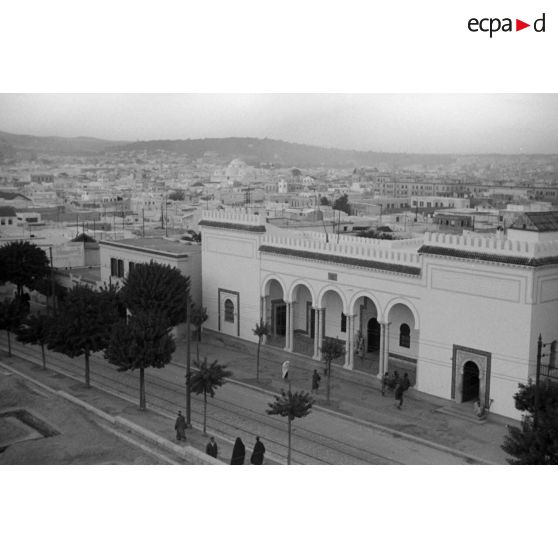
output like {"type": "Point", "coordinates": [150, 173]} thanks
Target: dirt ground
{"type": "Point", "coordinates": [39, 428]}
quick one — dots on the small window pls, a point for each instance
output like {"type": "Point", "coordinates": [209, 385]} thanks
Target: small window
{"type": "Point", "coordinates": [120, 268]}
{"type": "Point", "coordinates": [405, 336]}
{"type": "Point", "coordinates": [113, 267]}
{"type": "Point", "coordinates": [229, 310]}
{"type": "Point", "coordinates": [332, 276]}
{"type": "Point", "coordinates": [343, 323]}
{"type": "Point", "coordinates": [131, 266]}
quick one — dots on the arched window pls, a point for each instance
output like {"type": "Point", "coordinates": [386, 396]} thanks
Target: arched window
{"type": "Point", "coordinates": [229, 310]}
{"type": "Point", "coordinates": [404, 336]}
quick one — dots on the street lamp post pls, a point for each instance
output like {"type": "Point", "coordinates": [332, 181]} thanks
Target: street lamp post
{"type": "Point", "coordinates": [537, 381]}
{"type": "Point", "coordinates": [188, 370]}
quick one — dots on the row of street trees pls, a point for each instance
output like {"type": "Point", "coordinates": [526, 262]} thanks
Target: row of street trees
{"type": "Point", "coordinates": [132, 325]}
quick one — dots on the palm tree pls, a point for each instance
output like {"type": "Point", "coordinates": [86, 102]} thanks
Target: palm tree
{"type": "Point", "coordinates": [198, 317]}
{"type": "Point", "coordinates": [206, 380]}
{"type": "Point", "coordinates": [291, 405]}
{"type": "Point", "coordinates": [262, 329]}
{"type": "Point", "coordinates": [331, 350]}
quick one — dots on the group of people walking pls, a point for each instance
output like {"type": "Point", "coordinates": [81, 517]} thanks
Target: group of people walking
{"type": "Point", "coordinates": [239, 452]}
{"type": "Point", "coordinates": [393, 382]}
{"type": "Point", "coordinates": [239, 449]}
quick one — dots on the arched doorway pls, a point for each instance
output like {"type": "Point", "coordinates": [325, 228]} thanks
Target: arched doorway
{"type": "Point", "coordinates": [402, 340]}
{"type": "Point", "coordinates": [275, 312]}
{"type": "Point", "coordinates": [471, 377]}
{"type": "Point", "coordinates": [304, 319]}
{"type": "Point", "coordinates": [366, 334]}
{"type": "Point", "coordinates": [373, 335]}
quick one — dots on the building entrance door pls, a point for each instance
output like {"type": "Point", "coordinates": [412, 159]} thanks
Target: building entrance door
{"type": "Point", "coordinates": [373, 335]}
{"type": "Point", "coordinates": [279, 318]}
{"type": "Point", "coordinates": [310, 319]}
{"type": "Point", "coordinates": [470, 381]}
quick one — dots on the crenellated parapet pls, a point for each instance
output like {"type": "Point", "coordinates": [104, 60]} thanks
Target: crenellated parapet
{"type": "Point", "coordinates": [496, 249]}
{"type": "Point", "coordinates": [360, 252]}
{"type": "Point", "coordinates": [234, 219]}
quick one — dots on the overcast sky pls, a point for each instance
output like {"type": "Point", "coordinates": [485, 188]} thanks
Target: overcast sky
{"type": "Point", "coordinates": [510, 123]}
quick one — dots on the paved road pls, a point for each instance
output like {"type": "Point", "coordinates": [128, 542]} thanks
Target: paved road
{"type": "Point", "coordinates": [237, 410]}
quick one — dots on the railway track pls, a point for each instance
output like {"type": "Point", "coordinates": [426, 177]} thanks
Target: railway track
{"type": "Point", "coordinates": [225, 417]}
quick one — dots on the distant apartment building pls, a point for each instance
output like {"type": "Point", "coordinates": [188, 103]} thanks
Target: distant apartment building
{"type": "Point", "coordinates": [42, 178]}
{"type": "Point", "coordinates": [8, 219]}
{"type": "Point", "coordinates": [458, 220]}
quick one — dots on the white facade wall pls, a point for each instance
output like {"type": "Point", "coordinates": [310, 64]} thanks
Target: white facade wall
{"type": "Point", "coordinates": [457, 309]}
{"type": "Point", "coordinates": [190, 267]}
{"type": "Point", "coordinates": [231, 270]}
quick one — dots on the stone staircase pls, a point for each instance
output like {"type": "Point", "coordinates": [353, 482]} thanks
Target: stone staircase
{"type": "Point", "coordinates": [463, 411]}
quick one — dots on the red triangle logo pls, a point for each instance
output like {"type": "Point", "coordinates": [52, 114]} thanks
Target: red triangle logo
{"type": "Point", "coordinates": [519, 25]}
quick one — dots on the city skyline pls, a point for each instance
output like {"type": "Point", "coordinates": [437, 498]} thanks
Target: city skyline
{"type": "Point", "coordinates": [398, 123]}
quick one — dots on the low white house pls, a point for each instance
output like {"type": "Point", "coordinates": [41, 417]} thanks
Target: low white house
{"type": "Point", "coordinates": [462, 314]}
{"type": "Point", "coordinates": [118, 257]}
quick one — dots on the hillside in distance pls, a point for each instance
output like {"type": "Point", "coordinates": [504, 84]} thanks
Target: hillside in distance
{"type": "Point", "coordinates": [257, 151]}
{"type": "Point", "coordinates": [53, 145]}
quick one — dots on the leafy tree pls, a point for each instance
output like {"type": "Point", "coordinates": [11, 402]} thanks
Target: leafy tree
{"type": "Point", "coordinates": [291, 405]}
{"type": "Point", "coordinates": [43, 285]}
{"type": "Point", "coordinates": [157, 287]}
{"type": "Point", "coordinates": [22, 263]}
{"type": "Point", "coordinates": [324, 201]}
{"type": "Point", "coordinates": [342, 204]}
{"type": "Point", "coordinates": [34, 330]}
{"type": "Point", "coordinates": [261, 330]}
{"type": "Point", "coordinates": [12, 313]}
{"type": "Point", "coordinates": [142, 342]}
{"type": "Point", "coordinates": [332, 349]}
{"type": "Point", "coordinates": [177, 195]}
{"type": "Point", "coordinates": [206, 380]}
{"type": "Point", "coordinates": [371, 233]}
{"type": "Point", "coordinates": [83, 324]}
{"type": "Point", "coordinates": [530, 445]}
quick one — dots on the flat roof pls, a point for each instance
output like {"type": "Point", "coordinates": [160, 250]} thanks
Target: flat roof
{"type": "Point", "coordinates": [155, 244]}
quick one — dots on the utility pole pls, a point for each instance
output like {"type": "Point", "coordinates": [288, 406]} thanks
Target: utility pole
{"type": "Point", "coordinates": [537, 382]}
{"type": "Point", "coordinates": [143, 223]}
{"type": "Point", "coordinates": [52, 280]}
{"type": "Point", "coordinates": [188, 370]}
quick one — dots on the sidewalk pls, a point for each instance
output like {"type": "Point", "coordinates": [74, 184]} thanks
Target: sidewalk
{"type": "Point", "coordinates": [354, 394]}
{"type": "Point", "coordinates": [150, 431]}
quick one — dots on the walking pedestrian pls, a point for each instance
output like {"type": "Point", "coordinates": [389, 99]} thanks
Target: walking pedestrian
{"type": "Point", "coordinates": [238, 453]}
{"type": "Point", "coordinates": [316, 378]}
{"type": "Point", "coordinates": [180, 427]}
{"type": "Point", "coordinates": [385, 382]}
{"type": "Point", "coordinates": [211, 448]}
{"type": "Point", "coordinates": [258, 452]}
{"type": "Point", "coordinates": [399, 394]}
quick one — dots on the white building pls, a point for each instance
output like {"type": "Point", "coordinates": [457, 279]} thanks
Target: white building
{"type": "Point", "coordinates": [461, 314]}
{"type": "Point", "coordinates": [119, 257]}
